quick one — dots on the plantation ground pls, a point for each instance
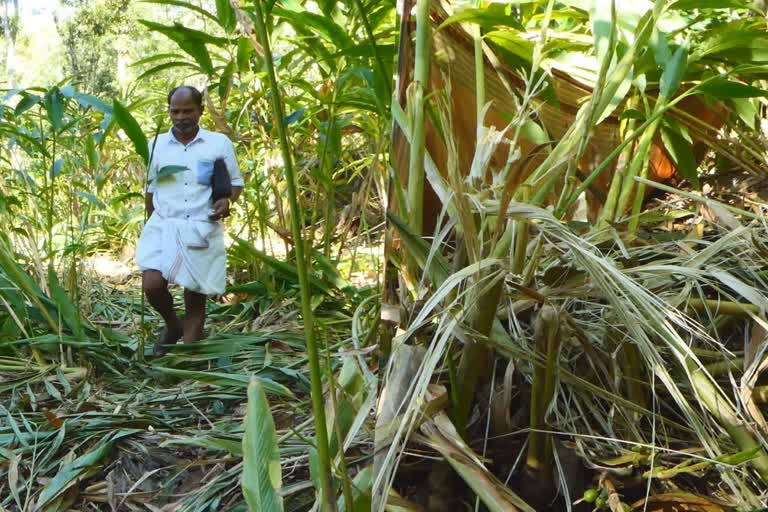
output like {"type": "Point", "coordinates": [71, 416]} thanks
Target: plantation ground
{"type": "Point", "coordinates": [106, 432]}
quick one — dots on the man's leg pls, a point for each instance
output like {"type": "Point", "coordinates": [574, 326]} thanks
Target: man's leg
{"type": "Point", "coordinates": [194, 320]}
{"type": "Point", "coordinates": [156, 290]}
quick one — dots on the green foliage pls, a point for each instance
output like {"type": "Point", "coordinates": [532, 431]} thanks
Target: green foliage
{"type": "Point", "coordinates": [193, 42]}
{"type": "Point", "coordinates": [71, 187]}
{"type": "Point", "coordinates": [89, 38]}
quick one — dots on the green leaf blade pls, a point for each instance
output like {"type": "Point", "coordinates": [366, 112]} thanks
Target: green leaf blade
{"type": "Point", "coordinates": [170, 170]}
{"type": "Point", "coordinates": [54, 106]}
{"type": "Point", "coordinates": [673, 73]}
{"type": "Point", "coordinates": [681, 152]}
{"type": "Point", "coordinates": [728, 89]}
{"type": "Point", "coordinates": [261, 457]}
{"type": "Point", "coordinates": [226, 15]}
{"type": "Point", "coordinates": [132, 129]}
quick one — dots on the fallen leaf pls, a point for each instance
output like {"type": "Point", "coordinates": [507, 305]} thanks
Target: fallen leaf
{"type": "Point", "coordinates": [53, 419]}
{"type": "Point", "coordinates": [678, 502]}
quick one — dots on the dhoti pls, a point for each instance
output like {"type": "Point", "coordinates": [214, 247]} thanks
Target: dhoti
{"type": "Point", "coordinates": [189, 253]}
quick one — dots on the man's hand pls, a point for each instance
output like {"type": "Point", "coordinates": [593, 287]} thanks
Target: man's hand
{"type": "Point", "coordinates": [220, 209]}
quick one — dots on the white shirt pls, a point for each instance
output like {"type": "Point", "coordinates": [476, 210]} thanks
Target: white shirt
{"type": "Point", "coordinates": [187, 194]}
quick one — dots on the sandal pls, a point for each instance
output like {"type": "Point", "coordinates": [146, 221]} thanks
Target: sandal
{"type": "Point", "coordinates": [161, 347]}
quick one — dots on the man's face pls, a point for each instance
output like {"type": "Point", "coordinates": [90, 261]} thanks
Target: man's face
{"type": "Point", "coordinates": [185, 113]}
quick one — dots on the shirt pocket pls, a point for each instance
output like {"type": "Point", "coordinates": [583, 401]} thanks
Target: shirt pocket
{"type": "Point", "coordinates": [204, 172]}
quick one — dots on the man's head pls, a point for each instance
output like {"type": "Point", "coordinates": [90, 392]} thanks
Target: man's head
{"type": "Point", "coordinates": [185, 106]}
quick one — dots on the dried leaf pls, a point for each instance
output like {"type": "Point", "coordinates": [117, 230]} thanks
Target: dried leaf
{"type": "Point", "coordinates": [55, 421]}
{"type": "Point", "coordinates": [13, 479]}
{"type": "Point", "coordinates": [441, 435]}
{"type": "Point", "coordinates": [678, 502]}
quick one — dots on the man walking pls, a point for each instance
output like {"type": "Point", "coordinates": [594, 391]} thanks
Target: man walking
{"type": "Point", "coordinates": [182, 242]}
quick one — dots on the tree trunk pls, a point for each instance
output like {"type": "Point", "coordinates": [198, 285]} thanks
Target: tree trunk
{"type": "Point", "coordinates": [67, 41]}
{"type": "Point", "coordinates": [9, 32]}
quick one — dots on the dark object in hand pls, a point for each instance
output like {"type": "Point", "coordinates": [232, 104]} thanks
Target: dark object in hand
{"type": "Point", "coordinates": [221, 183]}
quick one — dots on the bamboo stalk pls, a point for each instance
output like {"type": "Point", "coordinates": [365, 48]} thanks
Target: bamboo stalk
{"type": "Point", "coordinates": [326, 168]}
{"type": "Point", "coordinates": [329, 503]}
{"type": "Point", "coordinates": [420, 82]}
{"type": "Point", "coordinates": [51, 191]}
{"type": "Point", "coordinates": [476, 357]}
{"type": "Point", "coordinates": [632, 361]}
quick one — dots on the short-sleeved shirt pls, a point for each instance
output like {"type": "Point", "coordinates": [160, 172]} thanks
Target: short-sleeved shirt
{"type": "Point", "coordinates": [186, 194]}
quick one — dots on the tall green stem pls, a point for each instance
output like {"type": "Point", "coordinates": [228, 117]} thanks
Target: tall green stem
{"type": "Point", "coordinates": [329, 504]}
{"type": "Point", "coordinates": [479, 70]}
{"type": "Point", "coordinates": [639, 159]}
{"type": "Point", "coordinates": [547, 336]}
{"type": "Point", "coordinates": [718, 406]}
{"type": "Point", "coordinates": [617, 180]}
{"type": "Point", "coordinates": [143, 336]}
{"type": "Point", "coordinates": [51, 192]}
{"type": "Point", "coordinates": [521, 236]}
{"type": "Point", "coordinates": [326, 168]}
{"type": "Point", "coordinates": [420, 81]}
{"type": "Point", "coordinates": [476, 356]}
{"type": "Point", "coordinates": [346, 486]}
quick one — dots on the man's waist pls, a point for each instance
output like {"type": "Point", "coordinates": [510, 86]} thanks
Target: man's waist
{"type": "Point", "coordinates": [184, 215]}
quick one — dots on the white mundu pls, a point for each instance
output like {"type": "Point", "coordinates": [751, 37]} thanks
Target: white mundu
{"type": "Point", "coordinates": [179, 239]}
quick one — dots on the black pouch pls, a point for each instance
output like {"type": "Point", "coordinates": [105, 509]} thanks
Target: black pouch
{"type": "Point", "coordinates": [221, 183]}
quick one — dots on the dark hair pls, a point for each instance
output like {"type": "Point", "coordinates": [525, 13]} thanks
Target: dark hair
{"type": "Point", "coordinates": [196, 95]}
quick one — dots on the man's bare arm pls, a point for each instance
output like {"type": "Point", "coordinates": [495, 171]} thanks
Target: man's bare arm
{"type": "Point", "coordinates": [236, 193]}
{"type": "Point", "coordinates": [149, 206]}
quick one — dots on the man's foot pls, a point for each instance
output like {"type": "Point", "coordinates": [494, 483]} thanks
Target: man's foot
{"type": "Point", "coordinates": [167, 338]}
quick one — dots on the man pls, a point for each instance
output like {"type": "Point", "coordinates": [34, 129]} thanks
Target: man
{"type": "Point", "coordinates": [182, 242]}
